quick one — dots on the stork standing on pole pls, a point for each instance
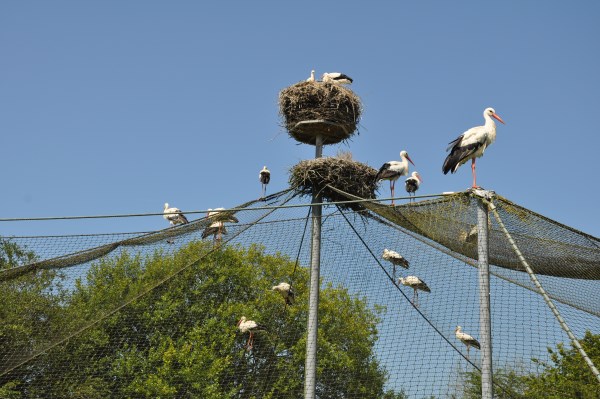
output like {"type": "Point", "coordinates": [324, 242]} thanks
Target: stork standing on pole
{"type": "Point", "coordinates": [471, 144]}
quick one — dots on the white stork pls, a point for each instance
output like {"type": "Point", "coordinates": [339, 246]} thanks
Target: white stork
{"type": "Point", "coordinates": [471, 236]}
{"type": "Point", "coordinates": [312, 76]}
{"type": "Point", "coordinates": [217, 227]}
{"type": "Point", "coordinates": [264, 176]}
{"type": "Point", "coordinates": [392, 170]}
{"type": "Point", "coordinates": [466, 339]}
{"type": "Point", "coordinates": [174, 216]}
{"type": "Point", "coordinates": [395, 259]}
{"type": "Point", "coordinates": [471, 144]}
{"type": "Point", "coordinates": [416, 284]}
{"type": "Point", "coordinates": [286, 292]}
{"type": "Point", "coordinates": [412, 183]}
{"type": "Point", "coordinates": [245, 325]}
{"type": "Point", "coordinates": [337, 78]}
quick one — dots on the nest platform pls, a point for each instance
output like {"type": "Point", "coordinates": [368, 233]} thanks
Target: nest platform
{"type": "Point", "coordinates": [317, 176]}
{"type": "Point", "coordinates": [310, 109]}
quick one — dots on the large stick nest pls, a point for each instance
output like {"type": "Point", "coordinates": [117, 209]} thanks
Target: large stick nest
{"type": "Point", "coordinates": [316, 108]}
{"type": "Point", "coordinates": [315, 175]}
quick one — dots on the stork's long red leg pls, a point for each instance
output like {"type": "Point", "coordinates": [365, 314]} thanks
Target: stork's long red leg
{"type": "Point", "coordinates": [392, 186]}
{"type": "Point", "coordinates": [474, 174]}
{"type": "Point", "coordinates": [250, 341]}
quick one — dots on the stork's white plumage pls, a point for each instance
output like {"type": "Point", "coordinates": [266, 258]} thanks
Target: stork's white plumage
{"type": "Point", "coordinates": [217, 227]}
{"type": "Point", "coordinates": [245, 325]}
{"type": "Point", "coordinates": [173, 215]}
{"type": "Point", "coordinates": [312, 76]}
{"type": "Point", "coordinates": [412, 183]}
{"type": "Point", "coordinates": [466, 339]}
{"type": "Point", "coordinates": [392, 170]}
{"type": "Point", "coordinates": [395, 259]}
{"type": "Point", "coordinates": [286, 292]}
{"type": "Point", "coordinates": [416, 284]}
{"type": "Point", "coordinates": [337, 78]}
{"type": "Point", "coordinates": [264, 176]}
{"type": "Point", "coordinates": [471, 144]}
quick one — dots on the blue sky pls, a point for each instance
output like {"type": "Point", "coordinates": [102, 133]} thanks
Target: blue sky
{"type": "Point", "coordinates": [117, 107]}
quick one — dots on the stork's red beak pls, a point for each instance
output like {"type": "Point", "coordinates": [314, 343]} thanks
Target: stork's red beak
{"type": "Point", "coordinates": [410, 160]}
{"type": "Point", "coordinates": [420, 178]}
{"type": "Point", "coordinates": [498, 118]}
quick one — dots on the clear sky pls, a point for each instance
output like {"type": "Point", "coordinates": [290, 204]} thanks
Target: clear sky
{"type": "Point", "coordinates": [113, 107]}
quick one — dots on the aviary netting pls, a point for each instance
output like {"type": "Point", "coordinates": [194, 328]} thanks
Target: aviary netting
{"type": "Point", "coordinates": [128, 314]}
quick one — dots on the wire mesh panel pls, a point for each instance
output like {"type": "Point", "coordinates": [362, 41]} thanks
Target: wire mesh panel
{"type": "Point", "coordinates": [171, 314]}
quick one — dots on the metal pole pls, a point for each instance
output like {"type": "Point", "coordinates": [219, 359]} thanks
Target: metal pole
{"type": "Point", "coordinates": [485, 320]}
{"type": "Point", "coordinates": [310, 378]}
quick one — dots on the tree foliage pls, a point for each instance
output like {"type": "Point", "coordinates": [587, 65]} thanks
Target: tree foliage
{"type": "Point", "coordinates": [565, 376]}
{"type": "Point", "coordinates": [165, 326]}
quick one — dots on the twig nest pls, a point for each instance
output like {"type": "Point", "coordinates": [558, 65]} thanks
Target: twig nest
{"type": "Point", "coordinates": [316, 175]}
{"type": "Point", "coordinates": [316, 108]}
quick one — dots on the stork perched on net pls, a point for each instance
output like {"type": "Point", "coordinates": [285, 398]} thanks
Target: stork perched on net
{"type": "Point", "coordinates": [217, 229]}
{"type": "Point", "coordinates": [416, 284]}
{"type": "Point", "coordinates": [466, 339]}
{"type": "Point", "coordinates": [245, 325]}
{"type": "Point", "coordinates": [174, 215]}
{"type": "Point", "coordinates": [312, 76]}
{"type": "Point", "coordinates": [395, 259]}
{"type": "Point", "coordinates": [471, 144]}
{"type": "Point", "coordinates": [286, 291]}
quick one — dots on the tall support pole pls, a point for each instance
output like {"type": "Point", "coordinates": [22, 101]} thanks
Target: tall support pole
{"type": "Point", "coordinates": [485, 320]}
{"type": "Point", "coordinates": [310, 378]}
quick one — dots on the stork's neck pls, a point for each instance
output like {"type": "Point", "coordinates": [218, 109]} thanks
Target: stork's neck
{"type": "Point", "coordinates": [489, 122]}
{"type": "Point", "coordinates": [490, 128]}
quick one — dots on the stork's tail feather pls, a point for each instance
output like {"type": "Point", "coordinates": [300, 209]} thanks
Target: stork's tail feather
{"type": "Point", "coordinates": [450, 164]}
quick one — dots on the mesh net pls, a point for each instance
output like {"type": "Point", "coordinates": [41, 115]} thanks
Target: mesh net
{"type": "Point", "coordinates": [154, 314]}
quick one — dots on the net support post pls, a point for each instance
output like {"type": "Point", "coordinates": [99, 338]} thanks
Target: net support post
{"type": "Point", "coordinates": [310, 378]}
{"type": "Point", "coordinates": [485, 320]}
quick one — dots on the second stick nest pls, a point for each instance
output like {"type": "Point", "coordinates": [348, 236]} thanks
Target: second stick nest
{"type": "Point", "coordinates": [316, 175]}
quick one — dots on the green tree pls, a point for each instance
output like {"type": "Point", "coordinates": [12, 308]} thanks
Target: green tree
{"type": "Point", "coordinates": [508, 384]}
{"type": "Point", "coordinates": [30, 310]}
{"type": "Point", "coordinates": [165, 326]}
{"type": "Point", "coordinates": [567, 376]}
